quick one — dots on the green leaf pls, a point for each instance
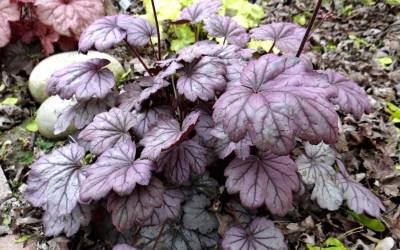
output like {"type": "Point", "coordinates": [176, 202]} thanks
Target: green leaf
{"type": "Point", "coordinates": [184, 37]}
{"type": "Point", "coordinates": [347, 10]}
{"type": "Point", "coordinates": [331, 46]}
{"type": "Point", "coordinates": [6, 220]}
{"type": "Point", "coordinates": [10, 101]}
{"type": "Point", "coordinates": [300, 19]}
{"type": "Point", "coordinates": [368, 2]}
{"type": "Point", "coordinates": [32, 126]}
{"type": "Point", "coordinates": [393, 2]}
{"type": "Point", "coordinates": [330, 244]}
{"type": "Point", "coordinates": [394, 112]}
{"type": "Point", "coordinates": [242, 11]}
{"type": "Point", "coordinates": [263, 45]}
{"type": "Point", "coordinates": [371, 223]}
{"type": "Point", "coordinates": [26, 158]}
{"type": "Point", "coordinates": [23, 238]}
{"type": "Point", "coordinates": [358, 41]}
{"type": "Point", "coordinates": [385, 61]}
{"type": "Point", "coordinates": [44, 144]}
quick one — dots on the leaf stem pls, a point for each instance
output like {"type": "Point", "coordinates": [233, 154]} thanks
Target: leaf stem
{"type": "Point", "coordinates": [153, 49]}
{"type": "Point", "coordinates": [309, 28]}
{"type": "Point", "coordinates": [137, 55]}
{"type": "Point", "coordinates": [177, 99]}
{"type": "Point", "coordinates": [157, 28]}
{"type": "Point", "coordinates": [159, 236]}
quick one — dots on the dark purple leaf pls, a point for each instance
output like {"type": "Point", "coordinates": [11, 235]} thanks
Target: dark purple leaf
{"type": "Point", "coordinates": [350, 97]}
{"type": "Point", "coordinates": [233, 72]}
{"type": "Point", "coordinates": [200, 10]}
{"type": "Point", "coordinates": [107, 129]}
{"type": "Point", "coordinates": [263, 179]}
{"type": "Point", "coordinates": [139, 31]}
{"type": "Point", "coordinates": [85, 80]}
{"type": "Point", "coordinates": [166, 134]}
{"type": "Point", "coordinates": [239, 213]}
{"type": "Point", "coordinates": [116, 169]}
{"type": "Point", "coordinates": [55, 179]}
{"type": "Point", "coordinates": [278, 99]}
{"type": "Point", "coordinates": [200, 80]}
{"type": "Point", "coordinates": [127, 211]}
{"type": "Point", "coordinates": [359, 198]}
{"type": "Point", "coordinates": [172, 237]}
{"type": "Point", "coordinates": [286, 36]}
{"type": "Point", "coordinates": [203, 184]}
{"type": "Point", "coordinates": [181, 161]}
{"type": "Point", "coordinates": [315, 167]}
{"type": "Point", "coordinates": [102, 34]}
{"type": "Point", "coordinates": [147, 93]}
{"type": "Point", "coordinates": [67, 223]}
{"type": "Point", "coordinates": [197, 217]}
{"type": "Point", "coordinates": [82, 113]}
{"type": "Point", "coordinates": [261, 234]}
{"type": "Point", "coordinates": [203, 128]}
{"type": "Point", "coordinates": [170, 209]}
{"type": "Point", "coordinates": [227, 28]}
{"type": "Point", "coordinates": [149, 118]}
{"type": "Point", "coordinates": [123, 247]}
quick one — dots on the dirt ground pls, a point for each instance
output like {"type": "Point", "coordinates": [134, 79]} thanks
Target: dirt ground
{"type": "Point", "coordinates": [360, 38]}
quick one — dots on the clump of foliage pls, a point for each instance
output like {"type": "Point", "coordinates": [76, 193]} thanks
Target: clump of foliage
{"type": "Point", "coordinates": [154, 149]}
{"type": "Point", "coordinates": [49, 21]}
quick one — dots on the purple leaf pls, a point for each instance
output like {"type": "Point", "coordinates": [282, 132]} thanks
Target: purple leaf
{"type": "Point", "coordinates": [315, 167]}
{"type": "Point", "coordinates": [147, 93]}
{"type": "Point", "coordinates": [224, 146]}
{"type": "Point", "coordinates": [203, 128]}
{"type": "Point", "coordinates": [263, 179]}
{"type": "Point", "coordinates": [233, 72]}
{"type": "Point", "coordinates": [116, 169]}
{"type": "Point", "coordinates": [197, 217]}
{"type": "Point", "coordinates": [82, 113]}
{"type": "Point", "coordinates": [123, 247]}
{"type": "Point", "coordinates": [181, 161]}
{"type": "Point", "coordinates": [261, 234]}
{"type": "Point", "coordinates": [286, 36]}
{"type": "Point", "coordinates": [171, 69]}
{"type": "Point", "coordinates": [200, 10]}
{"type": "Point", "coordinates": [278, 99]}
{"type": "Point", "coordinates": [107, 129]}
{"type": "Point", "coordinates": [200, 80]}
{"type": "Point", "coordinates": [55, 179]}
{"type": "Point", "coordinates": [227, 28]}
{"type": "Point", "coordinates": [126, 100]}
{"type": "Point", "coordinates": [170, 209]}
{"type": "Point", "coordinates": [350, 97]}
{"type": "Point", "coordinates": [359, 198]}
{"type": "Point", "coordinates": [208, 48]}
{"type": "Point", "coordinates": [85, 80]}
{"type": "Point", "coordinates": [240, 214]}
{"type": "Point", "coordinates": [127, 211]}
{"type": "Point", "coordinates": [68, 223]}
{"type": "Point", "coordinates": [139, 31]}
{"type": "Point", "coordinates": [203, 184]}
{"type": "Point", "coordinates": [102, 34]}
{"type": "Point", "coordinates": [166, 134]}
{"type": "Point", "coordinates": [149, 118]}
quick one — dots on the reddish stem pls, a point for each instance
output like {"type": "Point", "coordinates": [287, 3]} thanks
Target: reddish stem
{"type": "Point", "coordinates": [309, 28]}
{"type": "Point", "coordinates": [157, 28]}
{"type": "Point", "coordinates": [136, 52]}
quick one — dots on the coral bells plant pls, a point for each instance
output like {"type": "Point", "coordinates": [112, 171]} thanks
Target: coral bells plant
{"type": "Point", "coordinates": [150, 151]}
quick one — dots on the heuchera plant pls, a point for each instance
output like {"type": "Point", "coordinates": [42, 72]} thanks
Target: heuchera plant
{"type": "Point", "coordinates": [49, 21]}
{"type": "Point", "coordinates": [153, 149]}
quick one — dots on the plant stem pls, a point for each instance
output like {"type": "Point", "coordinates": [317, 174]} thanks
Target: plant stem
{"type": "Point", "coordinates": [153, 49]}
{"type": "Point", "coordinates": [177, 99]}
{"type": "Point", "coordinates": [223, 43]}
{"type": "Point", "coordinates": [197, 27]}
{"type": "Point", "coordinates": [309, 27]}
{"type": "Point", "coordinates": [158, 29]}
{"type": "Point", "coordinates": [136, 52]}
{"type": "Point", "coordinates": [159, 236]}
{"type": "Point", "coordinates": [272, 48]}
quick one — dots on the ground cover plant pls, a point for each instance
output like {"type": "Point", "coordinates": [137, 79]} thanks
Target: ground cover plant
{"type": "Point", "coordinates": [153, 150]}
